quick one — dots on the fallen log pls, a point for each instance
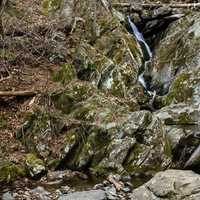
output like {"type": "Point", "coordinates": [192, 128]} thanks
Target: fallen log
{"type": "Point", "coordinates": [17, 93]}
{"type": "Point", "coordinates": [157, 5]}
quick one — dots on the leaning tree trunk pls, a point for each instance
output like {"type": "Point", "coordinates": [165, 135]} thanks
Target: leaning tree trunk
{"type": "Point", "coordinates": [2, 8]}
{"type": "Point", "coordinates": [67, 14]}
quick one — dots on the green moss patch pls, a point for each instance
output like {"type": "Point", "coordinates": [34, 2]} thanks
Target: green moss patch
{"type": "Point", "coordinates": [9, 172]}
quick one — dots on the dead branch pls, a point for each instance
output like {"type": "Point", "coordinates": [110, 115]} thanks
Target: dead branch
{"type": "Point", "coordinates": [157, 5]}
{"type": "Point", "coordinates": [17, 93]}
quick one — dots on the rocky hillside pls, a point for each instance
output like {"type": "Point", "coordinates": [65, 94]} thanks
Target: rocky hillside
{"type": "Point", "coordinates": [84, 114]}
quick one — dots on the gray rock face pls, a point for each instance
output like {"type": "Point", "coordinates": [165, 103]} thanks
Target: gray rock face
{"type": "Point", "coordinates": [178, 51]}
{"type": "Point", "coordinates": [7, 196]}
{"type": "Point", "coordinates": [86, 195]}
{"type": "Point", "coordinates": [185, 88]}
{"type": "Point", "coordinates": [170, 185]}
{"type": "Point", "coordinates": [109, 138]}
{"type": "Point", "coordinates": [179, 114]}
{"type": "Point", "coordinates": [182, 130]}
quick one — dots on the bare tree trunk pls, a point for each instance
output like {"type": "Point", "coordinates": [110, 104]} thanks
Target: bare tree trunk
{"type": "Point", "coordinates": [67, 13]}
{"type": "Point", "coordinates": [2, 9]}
{"type": "Point", "coordinates": [156, 5]}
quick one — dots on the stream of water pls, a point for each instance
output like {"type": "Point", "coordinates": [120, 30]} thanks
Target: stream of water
{"type": "Point", "coordinates": [146, 52]}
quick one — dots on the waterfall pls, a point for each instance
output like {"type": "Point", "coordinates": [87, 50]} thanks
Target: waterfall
{"type": "Point", "coordinates": [145, 47]}
{"type": "Point", "coordinates": [146, 52]}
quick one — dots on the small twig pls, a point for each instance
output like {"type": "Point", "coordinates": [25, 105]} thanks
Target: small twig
{"type": "Point", "coordinates": [17, 93]}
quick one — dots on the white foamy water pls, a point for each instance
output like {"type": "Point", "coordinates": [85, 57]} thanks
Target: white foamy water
{"type": "Point", "coordinates": [139, 37]}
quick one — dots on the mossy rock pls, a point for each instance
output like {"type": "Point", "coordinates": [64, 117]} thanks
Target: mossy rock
{"type": "Point", "coordinates": [179, 114]}
{"type": "Point", "coordinates": [3, 122]}
{"type": "Point", "coordinates": [115, 73]}
{"type": "Point", "coordinates": [103, 110]}
{"type": "Point", "coordinates": [111, 75]}
{"type": "Point", "coordinates": [176, 53]}
{"type": "Point", "coordinates": [51, 5]}
{"type": "Point", "coordinates": [184, 89]}
{"type": "Point", "coordinates": [66, 74]}
{"type": "Point", "coordinates": [35, 166]}
{"type": "Point", "coordinates": [38, 130]}
{"type": "Point", "coordinates": [9, 172]}
{"type": "Point", "coordinates": [152, 151]}
{"type": "Point", "coordinates": [109, 57]}
{"type": "Point", "coordinates": [75, 92]}
{"type": "Point", "coordinates": [90, 63]}
{"type": "Point", "coordinates": [92, 117]}
{"type": "Point", "coordinates": [100, 135]}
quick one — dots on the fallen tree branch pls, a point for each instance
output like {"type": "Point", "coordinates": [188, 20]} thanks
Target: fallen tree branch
{"type": "Point", "coordinates": [157, 5]}
{"type": "Point", "coordinates": [17, 93]}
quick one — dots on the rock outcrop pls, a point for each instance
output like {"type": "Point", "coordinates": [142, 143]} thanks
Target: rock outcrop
{"type": "Point", "coordinates": [177, 56]}
{"type": "Point", "coordinates": [96, 131]}
{"type": "Point", "coordinates": [95, 122]}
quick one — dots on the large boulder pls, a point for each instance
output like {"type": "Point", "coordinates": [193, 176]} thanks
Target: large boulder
{"type": "Point", "coordinates": [184, 145]}
{"type": "Point", "coordinates": [170, 185]}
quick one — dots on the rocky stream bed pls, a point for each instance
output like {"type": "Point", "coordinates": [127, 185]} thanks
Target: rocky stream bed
{"type": "Point", "coordinates": [98, 133]}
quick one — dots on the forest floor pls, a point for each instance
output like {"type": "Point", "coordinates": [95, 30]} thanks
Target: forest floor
{"type": "Point", "coordinates": [22, 68]}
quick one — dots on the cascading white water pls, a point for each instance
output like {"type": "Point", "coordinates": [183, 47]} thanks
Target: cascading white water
{"type": "Point", "coordinates": [140, 38]}
{"type": "Point", "coordinates": [146, 51]}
